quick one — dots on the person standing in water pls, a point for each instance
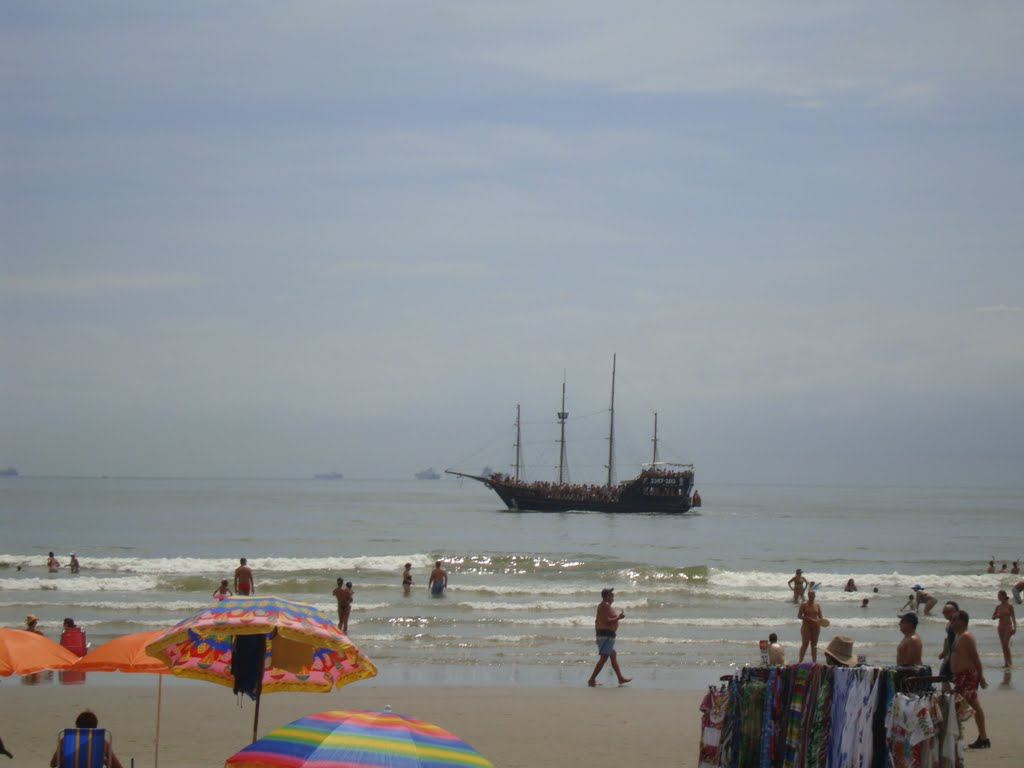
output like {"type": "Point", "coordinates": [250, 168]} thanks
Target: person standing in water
{"type": "Point", "coordinates": [407, 578]}
{"type": "Point", "coordinates": [798, 584]}
{"type": "Point", "coordinates": [245, 583]}
{"type": "Point", "coordinates": [222, 592]}
{"type": "Point", "coordinates": [810, 616]}
{"type": "Point", "coordinates": [438, 580]}
{"type": "Point", "coordinates": [344, 601]}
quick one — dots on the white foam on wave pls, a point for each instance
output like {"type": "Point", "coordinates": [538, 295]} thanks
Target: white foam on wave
{"type": "Point", "coordinates": [200, 565]}
{"type": "Point", "coordinates": [82, 584]}
{"type": "Point", "coordinates": [893, 582]}
{"type": "Point", "coordinates": [546, 605]}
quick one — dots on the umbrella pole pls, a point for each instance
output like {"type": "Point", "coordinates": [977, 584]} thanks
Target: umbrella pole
{"type": "Point", "coordinates": [256, 716]}
{"type": "Point", "coordinates": [159, 697]}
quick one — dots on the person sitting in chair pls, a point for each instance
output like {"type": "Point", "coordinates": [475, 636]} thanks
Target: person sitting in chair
{"type": "Point", "coordinates": [62, 757]}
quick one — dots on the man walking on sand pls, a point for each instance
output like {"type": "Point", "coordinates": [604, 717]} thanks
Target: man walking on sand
{"type": "Point", "coordinates": [245, 584]}
{"type": "Point", "coordinates": [606, 623]}
{"type": "Point", "coordinates": [968, 674]}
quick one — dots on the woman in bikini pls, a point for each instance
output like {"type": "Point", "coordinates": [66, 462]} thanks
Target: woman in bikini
{"type": "Point", "coordinates": [810, 628]}
{"type": "Point", "coordinates": [1007, 625]}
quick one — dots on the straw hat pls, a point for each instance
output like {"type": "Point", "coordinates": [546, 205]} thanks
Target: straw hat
{"type": "Point", "coordinates": [31, 619]}
{"type": "Point", "coordinates": [840, 648]}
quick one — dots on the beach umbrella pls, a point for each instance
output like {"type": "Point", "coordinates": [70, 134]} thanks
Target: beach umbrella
{"type": "Point", "coordinates": [258, 645]}
{"type": "Point", "coordinates": [350, 739]}
{"type": "Point", "coordinates": [25, 653]}
{"type": "Point", "coordinates": [127, 653]}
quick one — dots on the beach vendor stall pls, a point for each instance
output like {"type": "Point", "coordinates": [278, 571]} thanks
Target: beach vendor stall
{"type": "Point", "coordinates": [830, 715]}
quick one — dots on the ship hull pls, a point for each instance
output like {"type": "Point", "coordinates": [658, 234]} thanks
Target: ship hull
{"type": "Point", "coordinates": [651, 493]}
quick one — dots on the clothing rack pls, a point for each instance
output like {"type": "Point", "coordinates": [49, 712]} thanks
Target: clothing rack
{"type": "Point", "coordinates": [919, 685]}
{"type": "Point", "coordinates": [819, 716]}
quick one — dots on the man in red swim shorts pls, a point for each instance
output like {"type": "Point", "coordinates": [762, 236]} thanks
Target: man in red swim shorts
{"type": "Point", "coordinates": [968, 674]}
{"type": "Point", "coordinates": [245, 584]}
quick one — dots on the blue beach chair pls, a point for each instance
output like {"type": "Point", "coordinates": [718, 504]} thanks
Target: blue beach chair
{"type": "Point", "coordinates": [83, 748]}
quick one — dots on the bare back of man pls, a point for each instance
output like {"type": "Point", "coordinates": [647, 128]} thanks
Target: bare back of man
{"type": "Point", "coordinates": [245, 584]}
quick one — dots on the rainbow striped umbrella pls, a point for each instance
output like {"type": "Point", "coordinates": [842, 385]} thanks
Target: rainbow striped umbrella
{"type": "Point", "coordinates": [355, 739]}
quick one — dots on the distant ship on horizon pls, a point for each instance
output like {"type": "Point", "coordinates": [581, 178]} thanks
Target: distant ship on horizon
{"type": "Point", "coordinates": [9, 472]}
{"type": "Point", "coordinates": [428, 474]}
{"type": "Point", "coordinates": [329, 476]}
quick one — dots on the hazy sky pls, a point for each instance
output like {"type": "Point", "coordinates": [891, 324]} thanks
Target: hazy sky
{"type": "Point", "coordinates": [267, 238]}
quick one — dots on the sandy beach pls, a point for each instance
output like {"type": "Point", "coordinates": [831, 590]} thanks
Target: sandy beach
{"type": "Point", "coordinates": [514, 727]}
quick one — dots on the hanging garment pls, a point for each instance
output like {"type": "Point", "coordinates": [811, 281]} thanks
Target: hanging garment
{"type": "Point", "coordinates": [714, 708]}
{"type": "Point", "coordinates": [819, 723]}
{"type": "Point", "coordinates": [752, 698]}
{"type": "Point", "coordinates": [794, 717]}
{"type": "Point", "coordinates": [248, 658]}
{"type": "Point", "coordinates": [864, 700]}
{"type": "Point", "coordinates": [909, 724]}
{"type": "Point", "coordinates": [952, 738]}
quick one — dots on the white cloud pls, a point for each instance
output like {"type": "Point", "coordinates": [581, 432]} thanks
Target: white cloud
{"type": "Point", "coordinates": [999, 308]}
{"type": "Point", "coordinates": [81, 284]}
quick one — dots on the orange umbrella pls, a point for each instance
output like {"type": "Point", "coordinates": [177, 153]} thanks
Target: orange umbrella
{"type": "Point", "coordinates": [25, 653]}
{"type": "Point", "coordinates": [128, 654]}
{"type": "Point", "coordinates": [124, 654]}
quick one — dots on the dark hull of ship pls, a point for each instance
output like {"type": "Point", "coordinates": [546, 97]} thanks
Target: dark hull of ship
{"type": "Point", "coordinates": [631, 498]}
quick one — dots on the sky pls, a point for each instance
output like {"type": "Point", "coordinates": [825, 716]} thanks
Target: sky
{"type": "Point", "coordinates": [271, 239]}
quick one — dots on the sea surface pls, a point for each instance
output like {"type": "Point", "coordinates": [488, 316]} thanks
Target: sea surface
{"type": "Point", "coordinates": [699, 590]}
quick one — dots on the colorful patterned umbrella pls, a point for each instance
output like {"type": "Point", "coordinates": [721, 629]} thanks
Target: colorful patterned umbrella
{"type": "Point", "coordinates": [305, 650]}
{"type": "Point", "coordinates": [351, 739]}
{"type": "Point", "coordinates": [25, 653]}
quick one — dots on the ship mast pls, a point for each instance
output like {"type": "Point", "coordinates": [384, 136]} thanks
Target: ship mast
{"type": "Point", "coordinates": [654, 458]}
{"type": "Point", "coordinates": [611, 432]}
{"type": "Point", "coordinates": [519, 444]}
{"type": "Point", "coordinates": [562, 416]}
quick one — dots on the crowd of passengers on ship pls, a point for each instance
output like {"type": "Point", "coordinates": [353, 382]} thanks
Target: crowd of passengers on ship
{"type": "Point", "coordinates": [590, 491]}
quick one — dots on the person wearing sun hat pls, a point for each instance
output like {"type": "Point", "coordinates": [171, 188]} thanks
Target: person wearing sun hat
{"type": "Point", "coordinates": [30, 623]}
{"type": "Point", "coordinates": [919, 597]}
{"type": "Point", "coordinates": [839, 652]}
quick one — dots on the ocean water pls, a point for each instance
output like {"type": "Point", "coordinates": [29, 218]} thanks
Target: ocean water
{"type": "Point", "coordinates": [699, 590]}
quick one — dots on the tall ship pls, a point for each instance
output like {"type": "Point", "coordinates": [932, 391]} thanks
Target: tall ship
{"type": "Point", "coordinates": [428, 474]}
{"type": "Point", "coordinates": [661, 487]}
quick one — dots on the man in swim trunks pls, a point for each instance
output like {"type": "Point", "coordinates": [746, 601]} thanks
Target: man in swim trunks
{"type": "Point", "coordinates": [908, 652]}
{"type": "Point", "coordinates": [798, 584]}
{"type": "Point", "coordinates": [605, 624]}
{"type": "Point", "coordinates": [438, 580]}
{"type": "Point", "coordinates": [968, 674]}
{"type": "Point", "coordinates": [245, 584]}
